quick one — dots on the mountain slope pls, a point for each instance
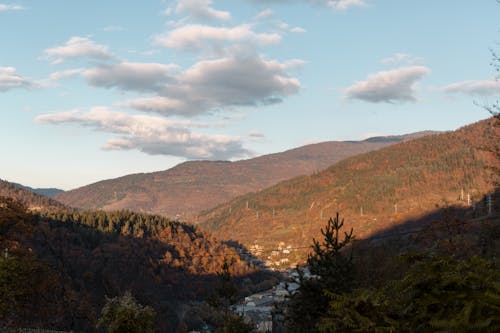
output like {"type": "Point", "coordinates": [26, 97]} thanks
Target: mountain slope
{"type": "Point", "coordinates": [192, 187]}
{"type": "Point", "coordinates": [372, 191]}
{"type": "Point", "coordinates": [74, 259]}
{"type": "Point", "coordinates": [27, 197]}
{"type": "Point", "coordinates": [47, 192]}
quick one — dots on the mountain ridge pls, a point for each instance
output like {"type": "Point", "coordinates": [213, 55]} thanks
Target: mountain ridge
{"type": "Point", "coordinates": [373, 191]}
{"type": "Point", "coordinates": [194, 186]}
{"type": "Point", "coordinates": [47, 192]}
{"type": "Point", "coordinates": [28, 198]}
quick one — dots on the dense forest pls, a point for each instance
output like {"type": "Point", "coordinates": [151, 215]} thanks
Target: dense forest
{"type": "Point", "coordinates": [441, 277]}
{"type": "Point", "coordinates": [58, 267]}
{"type": "Point", "coordinates": [374, 191]}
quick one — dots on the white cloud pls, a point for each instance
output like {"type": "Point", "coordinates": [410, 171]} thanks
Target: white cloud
{"type": "Point", "coordinates": [298, 30]}
{"type": "Point", "coordinates": [402, 58]}
{"type": "Point", "coordinates": [266, 13]}
{"type": "Point", "coordinates": [232, 81]}
{"type": "Point", "coordinates": [392, 86]}
{"type": "Point", "coordinates": [334, 4]}
{"type": "Point", "coordinates": [195, 36]}
{"type": "Point", "coordinates": [201, 10]}
{"type": "Point", "coordinates": [151, 135]}
{"type": "Point", "coordinates": [342, 4]}
{"type": "Point", "coordinates": [159, 104]}
{"type": "Point", "coordinates": [131, 76]}
{"type": "Point", "coordinates": [207, 86]}
{"type": "Point", "coordinates": [78, 47]}
{"type": "Point", "coordinates": [60, 75]}
{"type": "Point", "coordinates": [256, 134]}
{"type": "Point", "coordinates": [168, 11]}
{"type": "Point", "coordinates": [474, 87]}
{"type": "Point", "coordinates": [10, 7]}
{"type": "Point", "coordinates": [10, 79]}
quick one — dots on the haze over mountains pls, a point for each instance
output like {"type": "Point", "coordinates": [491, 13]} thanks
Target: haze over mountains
{"type": "Point", "coordinates": [194, 186]}
{"type": "Point", "coordinates": [373, 191]}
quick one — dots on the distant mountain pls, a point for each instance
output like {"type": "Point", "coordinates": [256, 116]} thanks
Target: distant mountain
{"type": "Point", "coordinates": [372, 191]}
{"type": "Point", "coordinates": [191, 187]}
{"type": "Point", "coordinates": [28, 198]}
{"type": "Point", "coordinates": [47, 192]}
{"type": "Point", "coordinates": [400, 138]}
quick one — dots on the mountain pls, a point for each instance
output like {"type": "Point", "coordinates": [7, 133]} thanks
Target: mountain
{"type": "Point", "coordinates": [47, 192]}
{"type": "Point", "coordinates": [372, 191]}
{"type": "Point", "coordinates": [27, 197]}
{"type": "Point", "coordinates": [64, 263]}
{"type": "Point", "coordinates": [191, 187]}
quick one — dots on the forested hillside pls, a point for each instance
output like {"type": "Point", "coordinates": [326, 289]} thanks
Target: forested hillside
{"type": "Point", "coordinates": [374, 191]}
{"type": "Point", "coordinates": [191, 187]}
{"type": "Point", "coordinates": [28, 198]}
{"type": "Point", "coordinates": [47, 192]}
{"type": "Point", "coordinates": [59, 266]}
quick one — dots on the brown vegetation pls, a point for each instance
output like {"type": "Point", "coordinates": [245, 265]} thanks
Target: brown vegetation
{"type": "Point", "coordinates": [60, 265]}
{"type": "Point", "coordinates": [374, 191]}
{"type": "Point", "coordinates": [191, 187]}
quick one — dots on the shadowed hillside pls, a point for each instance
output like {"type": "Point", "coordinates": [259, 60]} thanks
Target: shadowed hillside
{"type": "Point", "coordinates": [58, 266]}
{"type": "Point", "coordinates": [374, 191]}
{"type": "Point", "coordinates": [192, 187]}
{"type": "Point", "coordinates": [27, 197]}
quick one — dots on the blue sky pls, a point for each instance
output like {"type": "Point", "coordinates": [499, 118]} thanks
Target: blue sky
{"type": "Point", "coordinates": [91, 90]}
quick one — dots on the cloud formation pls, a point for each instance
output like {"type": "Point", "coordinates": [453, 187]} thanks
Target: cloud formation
{"type": "Point", "coordinates": [334, 4]}
{"type": "Point", "coordinates": [151, 135]}
{"type": "Point", "coordinates": [10, 7]}
{"type": "Point", "coordinates": [131, 76]}
{"type": "Point", "coordinates": [474, 87]}
{"type": "Point", "coordinates": [342, 4]}
{"type": "Point", "coordinates": [256, 134]}
{"type": "Point", "coordinates": [266, 13]}
{"type": "Point", "coordinates": [392, 86]}
{"type": "Point", "coordinates": [402, 59]}
{"type": "Point", "coordinates": [78, 47]}
{"type": "Point", "coordinates": [297, 30]}
{"type": "Point", "coordinates": [158, 104]}
{"type": "Point", "coordinates": [9, 79]}
{"type": "Point", "coordinates": [208, 85]}
{"type": "Point", "coordinates": [201, 10]}
{"type": "Point", "coordinates": [196, 36]}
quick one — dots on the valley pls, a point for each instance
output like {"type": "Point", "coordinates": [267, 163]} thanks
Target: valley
{"type": "Point", "coordinates": [409, 195]}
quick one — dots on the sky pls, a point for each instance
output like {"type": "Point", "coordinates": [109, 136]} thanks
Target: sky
{"type": "Point", "coordinates": [92, 90]}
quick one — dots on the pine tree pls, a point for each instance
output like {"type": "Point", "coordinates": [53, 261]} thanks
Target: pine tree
{"type": "Point", "coordinates": [334, 271]}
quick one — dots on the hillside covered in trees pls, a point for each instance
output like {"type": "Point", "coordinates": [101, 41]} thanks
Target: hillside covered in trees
{"type": "Point", "coordinates": [27, 197]}
{"type": "Point", "coordinates": [47, 192]}
{"type": "Point", "coordinates": [374, 191]}
{"type": "Point", "coordinates": [193, 186]}
{"type": "Point", "coordinates": [58, 266]}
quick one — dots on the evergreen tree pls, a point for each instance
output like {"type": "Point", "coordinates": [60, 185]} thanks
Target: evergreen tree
{"type": "Point", "coordinates": [334, 273]}
{"type": "Point", "coordinates": [437, 294]}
